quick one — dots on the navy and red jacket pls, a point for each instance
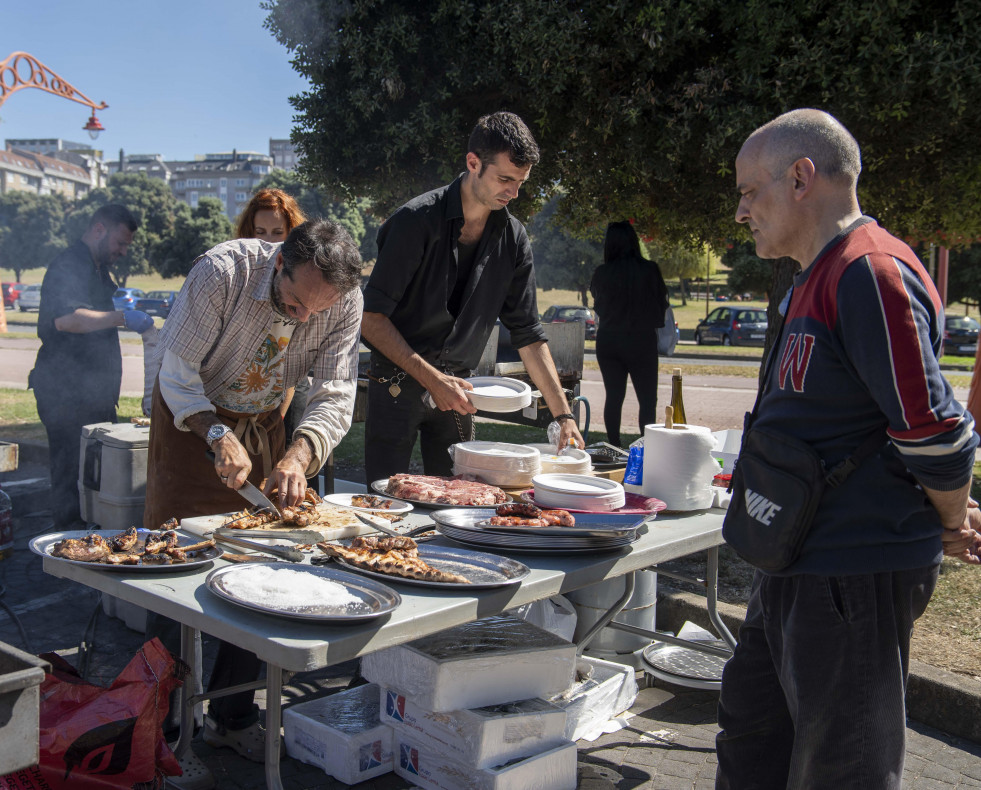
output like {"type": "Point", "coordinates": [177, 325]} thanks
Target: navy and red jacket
{"type": "Point", "coordinates": [858, 354]}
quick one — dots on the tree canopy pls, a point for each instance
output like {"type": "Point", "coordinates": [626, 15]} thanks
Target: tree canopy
{"type": "Point", "coordinates": [640, 106]}
{"type": "Point", "coordinates": [30, 230]}
{"type": "Point", "coordinates": [196, 231]}
{"type": "Point", "coordinates": [562, 260]}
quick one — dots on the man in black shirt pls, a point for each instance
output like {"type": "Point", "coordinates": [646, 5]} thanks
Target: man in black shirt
{"type": "Point", "coordinates": [450, 263]}
{"type": "Point", "coordinates": [78, 370]}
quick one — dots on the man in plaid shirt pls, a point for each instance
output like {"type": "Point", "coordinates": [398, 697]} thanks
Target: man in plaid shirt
{"type": "Point", "coordinates": [250, 321]}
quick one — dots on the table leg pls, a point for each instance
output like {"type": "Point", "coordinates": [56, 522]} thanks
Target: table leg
{"type": "Point", "coordinates": [189, 654]}
{"type": "Point", "coordinates": [274, 720]}
{"type": "Point", "coordinates": [712, 592]}
{"type": "Point", "coordinates": [599, 625]}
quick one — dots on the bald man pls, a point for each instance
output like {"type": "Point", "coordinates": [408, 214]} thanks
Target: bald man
{"type": "Point", "coordinates": [814, 694]}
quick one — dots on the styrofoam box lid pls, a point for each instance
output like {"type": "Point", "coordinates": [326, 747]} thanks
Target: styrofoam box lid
{"type": "Point", "coordinates": [499, 394]}
{"type": "Point", "coordinates": [578, 485]}
{"type": "Point", "coordinates": [351, 711]}
{"type": "Point", "coordinates": [497, 634]}
{"type": "Point", "coordinates": [122, 434]}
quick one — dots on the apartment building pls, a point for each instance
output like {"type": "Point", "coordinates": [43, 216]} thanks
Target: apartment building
{"type": "Point", "coordinates": [283, 154]}
{"type": "Point", "coordinates": [80, 154]}
{"type": "Point", "coordinates": [42, 175]}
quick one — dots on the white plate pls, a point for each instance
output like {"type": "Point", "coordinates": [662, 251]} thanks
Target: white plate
{"type": "Point", "coordinates": [546, 498]}
{"type": "Point", "coordinates": [499, 394]}
{"type": "Point", "coordinates": [577, 485]}
{"type": "Point", "coordinates": [344, 500]}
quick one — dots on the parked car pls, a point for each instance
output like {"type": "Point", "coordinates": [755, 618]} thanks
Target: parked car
{"type": "Point", "coordinates": [126, 298]}
{"type": "Point", "coordinates": [10, 293]}
{"type": "Point", "coordinates": [157, 303]}
{"type": "Point", "coordinates": [563, 313]}
{"type": "Point", "coordinates": [732, 326]}
{"type": "Point", "coordinates": [960, 335]}
{"type": "Point", "coordinates": [29, 298]}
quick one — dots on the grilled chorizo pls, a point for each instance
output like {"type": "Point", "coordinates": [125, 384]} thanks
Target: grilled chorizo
{"type": "Point", "coordinates": [558, 518]}
{"type": "Point", "coordinates": [522, 509]}
{"type": "Point", "coordinates": [515, 521]}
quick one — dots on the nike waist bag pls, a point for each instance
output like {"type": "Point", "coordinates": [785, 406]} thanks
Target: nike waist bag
{"type": "Point", "coordinates": [776, 488]}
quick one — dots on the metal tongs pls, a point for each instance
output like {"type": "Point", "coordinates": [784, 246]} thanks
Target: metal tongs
{"type": "Point", "coordinates": [283, 552]}
{"type": "Point", "coordinates": [382, 526]}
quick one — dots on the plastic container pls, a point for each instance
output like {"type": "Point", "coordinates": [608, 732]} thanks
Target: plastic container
{"type": "Point", "coordinates": [593, 602]}
{"type": "Point", "coordinates": [571, 461]}
{"type": "Point", "coordinates": [112, 474]}
{"type": "Point", "coordinates": [21, 675]}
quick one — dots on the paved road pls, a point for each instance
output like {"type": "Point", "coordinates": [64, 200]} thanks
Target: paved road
{"type": "Point", "coordinates": [716, 402]}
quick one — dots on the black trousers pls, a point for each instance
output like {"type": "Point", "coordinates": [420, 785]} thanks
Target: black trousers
{"type": "Point", "coordinates": [233, 665]}
{"type": "Point", "coordinates": [620, 355]}
{"type": "Point", "coordinates": [814, 696]}
{"type": "Point", "coordinates": [392, 425]}
{"type": "Point", "coordinates": [63, 418]}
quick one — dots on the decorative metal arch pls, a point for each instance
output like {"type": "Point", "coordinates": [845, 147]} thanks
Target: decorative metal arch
{"type": "Point", "coordinates": [21, 70]}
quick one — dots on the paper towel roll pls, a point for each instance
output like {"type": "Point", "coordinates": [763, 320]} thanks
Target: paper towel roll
{"type": "Point", "coordinates": [678, 466]}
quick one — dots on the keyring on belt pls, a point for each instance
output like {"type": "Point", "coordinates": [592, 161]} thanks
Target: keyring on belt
{"type": "Point", "coordinates": [394, 390]}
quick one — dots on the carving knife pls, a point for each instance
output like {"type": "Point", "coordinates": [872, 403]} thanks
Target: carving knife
{"type": "Point", "coordinates": [253, 495]}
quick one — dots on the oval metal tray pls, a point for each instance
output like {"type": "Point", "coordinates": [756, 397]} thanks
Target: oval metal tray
{"type": "Point", "coordinates": [344, 500]}
{"type": "Point", "coordinates": [485, 571]}
{"type": "Point", "coordinates": [589, 525]}
{"type": "Point", "coordinates": [376, 599]}
{"type": "Point", "coordinates": [514, 546]}
{"type": "Point", "coordinates": [43, 544]}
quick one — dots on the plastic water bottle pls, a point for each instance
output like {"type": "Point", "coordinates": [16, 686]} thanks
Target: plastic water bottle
{"type": "Point", "coordinates": [634, 473]}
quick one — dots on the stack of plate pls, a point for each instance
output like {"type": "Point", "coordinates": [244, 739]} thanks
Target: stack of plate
{"type": "Point", "coordinates": [593, 532]}
{"type": "Point", "coordinates": [570, 461]}
{"type": "Point", "coordinates": [579, 492]}
{"type": "Point", "coordinates": [497, 463]}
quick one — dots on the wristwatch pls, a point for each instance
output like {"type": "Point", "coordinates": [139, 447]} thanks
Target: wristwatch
{"type": "Point", "coordinates": [561, 417]}
{"type": "Point", "coordinates": [215, 432]}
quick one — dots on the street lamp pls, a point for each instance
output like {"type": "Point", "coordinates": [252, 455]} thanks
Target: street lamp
{"type": "Point", "coordinates": [21, 70]}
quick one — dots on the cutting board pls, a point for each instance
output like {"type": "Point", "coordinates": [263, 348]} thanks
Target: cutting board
{"type": "Point", "coordinates": [335, 523]}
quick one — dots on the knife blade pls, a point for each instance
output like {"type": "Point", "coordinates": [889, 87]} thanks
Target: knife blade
{"type": "Point", "coordinates": [252, 494]}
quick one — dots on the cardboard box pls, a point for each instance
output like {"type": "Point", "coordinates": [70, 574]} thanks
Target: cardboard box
{"type": "Point", "coordinates": [481, 737]}
{"type": "Point", "coordinates": [609, 690]}
{"type": "Point", "coordinates": [487, 662]}
{"type": "Point", "coordinates": [341, 734]}
{"type": "Point", "coordinates": [554, 769]}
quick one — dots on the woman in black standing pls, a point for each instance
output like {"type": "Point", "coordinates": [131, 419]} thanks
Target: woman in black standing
{"type": "Point", "coordinates": [630, 299]}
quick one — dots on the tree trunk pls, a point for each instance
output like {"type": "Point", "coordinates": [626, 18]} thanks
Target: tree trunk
{"type": "Point", "coordinates": [17, 273]}
{"type": "Point", "coordinates": [782, 278]}
{"type": "Point", "coordinates": [684, 300]}
{"type": "Point", "coordinates": [584, 295]}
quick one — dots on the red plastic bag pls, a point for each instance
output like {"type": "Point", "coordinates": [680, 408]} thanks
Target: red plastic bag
{"type": "Point", "coordinates": [92, 738]}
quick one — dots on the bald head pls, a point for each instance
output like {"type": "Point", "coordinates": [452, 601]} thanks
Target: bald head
{"type": "Point", "coordinates": [811, 134]}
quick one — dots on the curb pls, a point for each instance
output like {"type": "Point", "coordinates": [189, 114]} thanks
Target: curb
{"type": "Point", "coordinates": [935, 697]}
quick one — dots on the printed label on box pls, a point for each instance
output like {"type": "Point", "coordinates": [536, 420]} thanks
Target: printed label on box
{"type": "Point", "coordinates": [395, 706]}
{"type": "Point", "coordinates": [370, 756]}
{"type": "Point", "coordinates": [409, 758]}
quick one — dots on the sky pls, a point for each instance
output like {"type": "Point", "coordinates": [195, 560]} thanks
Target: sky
{"type": "Point", "coordinates": [181, 77]}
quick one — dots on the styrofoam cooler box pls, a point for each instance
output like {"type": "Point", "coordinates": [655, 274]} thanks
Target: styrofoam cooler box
{"type": "Point", "coordinates": [429, 768]}
{"type": "Point", "coordinates": [481, 737]}
{"type": "Point", "coordinates": [342, 734]}
{"type": "Point", "coordinates": [608, 690]}
{"type": "Point", "coordinates": [112, 474]}
{"type": "Point", "coordinates": [487, 662]}
{"type": "Point", "coordinates": [593, 602]}
{"type": "Point", "coordinates": [132, 615]}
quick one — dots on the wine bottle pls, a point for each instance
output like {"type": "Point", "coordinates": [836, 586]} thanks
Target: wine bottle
{"type": "Point", "coordinates": [677, 403]}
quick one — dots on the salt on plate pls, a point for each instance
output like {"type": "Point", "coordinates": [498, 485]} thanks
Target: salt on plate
{"type": "Point", "coordinates": [290, 590]}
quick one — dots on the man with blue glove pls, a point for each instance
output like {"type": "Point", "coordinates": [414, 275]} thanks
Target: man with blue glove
{"type": "Point", "coordinates": [79, 367]}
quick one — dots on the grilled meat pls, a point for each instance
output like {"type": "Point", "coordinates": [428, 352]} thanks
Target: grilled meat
{"type": "Point", "coordinates": [124, 541]}
{"type": "Point", "coordinates": [393, 562]}
{"type": "Point", "coordinates": [91, 548]}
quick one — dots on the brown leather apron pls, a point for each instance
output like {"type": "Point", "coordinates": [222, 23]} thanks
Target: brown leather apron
{"type": "Point", "coordinates": [181, 480]}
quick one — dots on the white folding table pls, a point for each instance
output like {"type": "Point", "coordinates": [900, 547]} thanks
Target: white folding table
{"type": "Point", "coordinates": [289, 645]}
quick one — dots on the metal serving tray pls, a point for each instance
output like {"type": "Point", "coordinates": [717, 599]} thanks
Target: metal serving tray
{"type": "Point", "coordinates": [484, 571]}
{"type": "Point", "coordinates": [376, 599]}
{"type": "Point", "coordinates": [588, 525]}
{"type": "Point", "coordinates": [380, 486]}
{"type": "Point", "coordinates": [43, 544]}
